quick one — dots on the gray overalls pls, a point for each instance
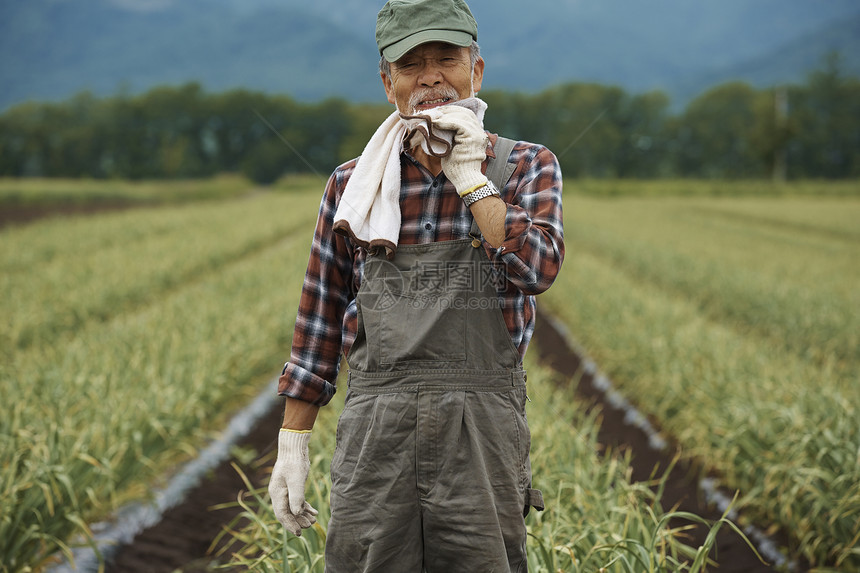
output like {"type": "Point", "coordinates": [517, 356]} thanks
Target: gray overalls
{"type": "Point", "coordinates": [431, 470]}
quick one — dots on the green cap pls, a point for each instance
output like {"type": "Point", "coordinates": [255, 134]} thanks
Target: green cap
{"type": "Point", "coordinates": [403, 24]}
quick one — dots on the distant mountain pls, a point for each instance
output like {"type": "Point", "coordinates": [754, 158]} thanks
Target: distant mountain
{"type": "Point", "coordinates": [679, 46]}
{"type": "Point", "coordinates": [53, 48]}
{"type": "Point", "coordinates": [790, 62]}
{"type": "Point", "coordinates": [50, 49]}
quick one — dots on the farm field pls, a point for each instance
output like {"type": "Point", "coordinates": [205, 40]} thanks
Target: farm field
{"type": "Point", "coordinates": [734, 323]}
{"type": "Point", "coordinates": [130, 337]}
{"type": "Point", "coordinates": [28, 199]}
{"type": "Point", "coordinates": [65, 192]}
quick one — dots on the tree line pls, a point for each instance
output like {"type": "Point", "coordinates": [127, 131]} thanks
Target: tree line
{"type": "Point", "coordinates": [733, 130]}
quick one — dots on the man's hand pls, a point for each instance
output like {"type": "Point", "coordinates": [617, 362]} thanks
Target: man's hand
{"type": "Point", "coordinates": [287, 484]}
{"type": "Point", "coordinates": [463, 165]}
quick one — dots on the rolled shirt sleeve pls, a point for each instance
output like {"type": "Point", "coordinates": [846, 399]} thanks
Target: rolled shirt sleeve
{"type": "Point", "coordinates": [328, 287]}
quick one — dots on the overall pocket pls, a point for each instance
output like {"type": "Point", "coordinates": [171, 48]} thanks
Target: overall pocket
{"type": "Point", "coordinates": [418, 323]}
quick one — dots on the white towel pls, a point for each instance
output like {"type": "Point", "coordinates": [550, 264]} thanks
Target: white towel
{"type": "Point", "coordinates": [369, 209]}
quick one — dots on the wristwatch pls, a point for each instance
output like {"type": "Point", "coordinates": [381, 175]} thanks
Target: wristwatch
{"type": "Point", "coordinates": [487, 190]}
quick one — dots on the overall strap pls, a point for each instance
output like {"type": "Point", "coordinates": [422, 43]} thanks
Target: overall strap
{"type": "Point", "coordinates": [498, 170]}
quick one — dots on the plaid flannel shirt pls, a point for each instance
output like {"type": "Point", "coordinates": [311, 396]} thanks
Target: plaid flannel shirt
{"type": "Point", "coordinates": [431, 211]}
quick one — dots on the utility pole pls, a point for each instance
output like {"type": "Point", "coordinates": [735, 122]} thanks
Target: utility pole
{"type": "Point", "coordinates": [780, 151]}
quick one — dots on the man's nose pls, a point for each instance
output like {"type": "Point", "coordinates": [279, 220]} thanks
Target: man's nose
{"type": "Point", "coordinates": [430, 75]}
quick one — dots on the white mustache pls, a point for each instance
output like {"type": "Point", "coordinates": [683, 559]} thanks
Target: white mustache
{"type": "Point", "coordinates": [429, 94]}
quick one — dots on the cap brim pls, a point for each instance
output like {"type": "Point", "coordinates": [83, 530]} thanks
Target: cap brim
{"type": "Point", "coordinates": [398, 49]}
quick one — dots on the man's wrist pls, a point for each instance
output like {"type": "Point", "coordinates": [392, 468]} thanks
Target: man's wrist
{"type": "Point", "coordinates": [299, 415]}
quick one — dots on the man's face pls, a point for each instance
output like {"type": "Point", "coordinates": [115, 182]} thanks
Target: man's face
{"type": "Point", "coordinates": [430, 75]}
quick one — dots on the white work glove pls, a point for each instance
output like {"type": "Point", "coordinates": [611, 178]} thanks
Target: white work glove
{"type": "Point", "coordinates": [287, 484]}
{"type": "Point", "coordinates": [462, 166]}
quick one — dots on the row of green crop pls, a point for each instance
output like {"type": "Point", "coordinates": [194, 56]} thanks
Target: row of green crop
{"type": "Point", "coordinates": [58, 276]}
{"type": "Point", "coordinates": [681, 187]}
{"type": "Point", "coordinates": [96, 411]}
{"type": "Point", "coordinates": [596, 518]}
{"type": "Point", "coordinates": [735, 323]}
{"type": "Point", "coordinates": [784, 269]}
{"type": "Point", "coordinates": [40, 191]}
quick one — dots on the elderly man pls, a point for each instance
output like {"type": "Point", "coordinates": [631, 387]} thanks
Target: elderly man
{"type": "Point", "coordinates": [423, 274]}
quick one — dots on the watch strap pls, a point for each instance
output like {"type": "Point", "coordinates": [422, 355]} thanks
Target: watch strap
{"type": "Point", "coordinates": [487, 190]}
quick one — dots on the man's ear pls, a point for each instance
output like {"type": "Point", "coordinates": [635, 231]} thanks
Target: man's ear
{"type": "Point", "coordinates": [389, 88]}
{"type": "Point", "coordinates": [478, 75]}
